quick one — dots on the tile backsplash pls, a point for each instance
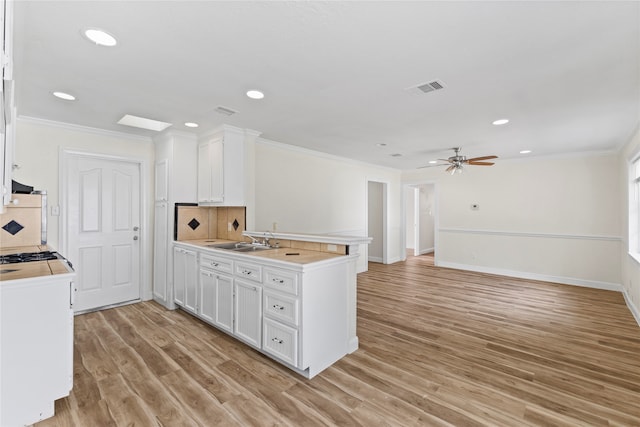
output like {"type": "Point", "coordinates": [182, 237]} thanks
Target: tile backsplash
{"type": "Point", "coordinates": [200, 222]}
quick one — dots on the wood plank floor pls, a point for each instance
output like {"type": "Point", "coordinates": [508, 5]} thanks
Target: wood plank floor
{"type": "Point", "coordinates": [438, 347]}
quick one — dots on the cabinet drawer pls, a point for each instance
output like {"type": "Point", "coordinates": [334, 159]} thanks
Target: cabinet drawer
{"type": "Point", "coordinates": [280, 341]}
{"type": "Point", "coordinates": [249, 271]}
{"type": "Point", "coordinates": [214, 263]}
{"type": "Point", "coordinates": [281, 308]}
{"type": "Point", "coordinates": [284, 281]}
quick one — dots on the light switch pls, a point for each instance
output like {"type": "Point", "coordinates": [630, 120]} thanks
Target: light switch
{"type": "Point", "coordinates": [475, 207]}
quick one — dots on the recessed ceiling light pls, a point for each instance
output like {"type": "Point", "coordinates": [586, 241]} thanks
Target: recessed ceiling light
{"type": "Point", "coordinates": [433, 162]}
{"type": "Point", "coordinates": [65, 96]}
{"type": "Point", "coordinates": [100, 37]}
{"type": "Point", "coordinates": [525, 151]}
{"type": "Point", "coordinates": [500, 122]}
{"type": "Point", "coordinates": [141, 122]}
{"type": "Point", "coordinates": [396, 155]}
{"type": "Point", "coordinates": [191, 125]}
{"type": "Point", "coordinates": [255, 94]}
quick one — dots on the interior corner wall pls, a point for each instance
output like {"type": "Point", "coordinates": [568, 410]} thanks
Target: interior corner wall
{"type": "Point", "coordinates": [630, 267]}
{"type": "Point", "coordinates": [410, 199]}
{"type": "Point", "coordinates": [300, 189]}
{"type": "Point", "coordinates": [37, 151]}
{"type": "Point", "coordinates": [548, 218]}
{"type": "Point", "coordinates": [375, 221]}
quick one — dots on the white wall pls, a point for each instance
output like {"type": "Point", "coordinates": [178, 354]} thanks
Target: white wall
{"type": "Point", "coordinates": [410, 210]}
{"type": "Point", "coordinates": [425, 218]}
{"type": "Point", "coordinates": [554, 218]}
{"type": "Point", "coordinates": [630, 267]}
{"type": "Point", "coordinates": [38, 145]}
{"type": "Point", "coordinates": [303, 190]}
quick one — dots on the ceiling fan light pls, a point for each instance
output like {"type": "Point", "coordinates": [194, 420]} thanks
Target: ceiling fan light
{"type": "Point", "coordinates": [500, 122]}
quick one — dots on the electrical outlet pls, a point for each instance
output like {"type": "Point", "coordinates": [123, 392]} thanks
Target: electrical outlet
{"type": "Point", "coordinates": [275, 226]}
{"type": "Point", "coordinates": [229, 226]}
{"type": "Point", "coordinates": [475, 207]}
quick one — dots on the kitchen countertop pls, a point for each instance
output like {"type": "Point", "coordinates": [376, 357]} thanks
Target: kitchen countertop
{"type": "Point", "coordinates": [28, 270]}
{"type": "Point", "coordinates": [303, 256]}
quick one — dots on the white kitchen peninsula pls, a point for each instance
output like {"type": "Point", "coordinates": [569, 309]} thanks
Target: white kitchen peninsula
{"type": "Point", "coordinates": [295, 303]}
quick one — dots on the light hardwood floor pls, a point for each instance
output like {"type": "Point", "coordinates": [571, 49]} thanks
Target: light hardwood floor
{"type": "Point", "coordinates": [438, 347]}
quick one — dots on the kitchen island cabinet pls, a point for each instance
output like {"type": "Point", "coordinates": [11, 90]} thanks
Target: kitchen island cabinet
{"type": "Point", "coordinates": [294, 313]}
{"type": "Point", "coordinates": [185, 278]}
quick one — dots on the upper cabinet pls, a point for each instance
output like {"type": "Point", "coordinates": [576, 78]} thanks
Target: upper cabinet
{"type": "Point", "coordinates": [7, 104]}
{"type": "Point", "coordinates": [222, 167]}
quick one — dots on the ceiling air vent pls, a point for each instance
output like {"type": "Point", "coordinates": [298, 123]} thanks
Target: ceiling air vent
{"type": "Point", "coordinates": [426, 87]}
{"type": "Point", "coordinates": [224, 111]}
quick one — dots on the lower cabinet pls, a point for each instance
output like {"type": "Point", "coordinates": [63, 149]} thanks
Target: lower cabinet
{"type": "Point", "coordinates": [296, 316]}
{"type": "Point", "coordinates": [248, 312]}
{"type": "Point", "coordinates": [216, 299]}
{"type": "Point", "coordinates": [185, 279]}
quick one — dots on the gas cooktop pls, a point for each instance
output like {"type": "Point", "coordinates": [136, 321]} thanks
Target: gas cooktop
{"type": "Point", "coordinates": [29, 257]}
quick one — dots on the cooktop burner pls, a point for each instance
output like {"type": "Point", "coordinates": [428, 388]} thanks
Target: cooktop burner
{"type": "Point", "coordinates": [29, 257]}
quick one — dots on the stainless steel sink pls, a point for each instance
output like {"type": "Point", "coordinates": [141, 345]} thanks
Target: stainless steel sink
{"type": "Point", "coordinates": [252, 248]}
{"type": "Point", "coordinates": [239, 247]}
{"type": "Point", "coordinates": [232, 245]}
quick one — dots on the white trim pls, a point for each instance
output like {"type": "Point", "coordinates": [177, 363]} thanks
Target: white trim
{"type": "Point", "coordinates": [632, 308]}
{"type": "Point", "coordinates": [85, 129]}
{"type": "Point", "coordinates": [427, 251]}
{"type": "Point", "coordinates": [375, 259]}
{"type": "Point", "coordinates": [535, 276]}
{"type": "Point", "coordinates": [530, 234]}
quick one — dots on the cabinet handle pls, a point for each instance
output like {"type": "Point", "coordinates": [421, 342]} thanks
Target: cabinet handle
{"type": "Point", "coordinates": [276, 340]}
{"type": "Point", "coordinates": [215, 264]}
{"type": "Point", "coordinates": [247, 272]}
{"type": "Point", "coordinates": [277, 281]}
{"type": "Point", "coordinates": [278, 307]}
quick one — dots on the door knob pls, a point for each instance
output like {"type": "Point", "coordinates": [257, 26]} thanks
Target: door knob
{"type": "Point", "coordinates": [135, 237]}
{"type": "Point", "coordinates": [136, 228]}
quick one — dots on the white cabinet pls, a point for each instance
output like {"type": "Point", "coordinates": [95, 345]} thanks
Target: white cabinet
{"type": "Point", "coordinates": [216, 299]}
{"type": "Point", "coordinates": [211, 171]}
{"type": "Point", "coordinates": [7, 103]}
{"type": "Point", "coordinates": [222, 171]}
{"type": "Point", "coordinates": [293, 313]}
{"type": "Point", "coordinates": [185, 278]}
{"type": "Point", "coordinates": [175, 181]}
{"type": "Point", "coordinates": [36, 347]}
{"type": "Point", "coordinates": [248, 312]}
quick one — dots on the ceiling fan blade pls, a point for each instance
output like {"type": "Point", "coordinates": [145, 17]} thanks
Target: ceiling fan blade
{"type": "Point", "coordinates": [450, 168]}
{"type": "Point", "coordinates": [481, 163]}
{"type": "Point", "coordinates": [482, 158]}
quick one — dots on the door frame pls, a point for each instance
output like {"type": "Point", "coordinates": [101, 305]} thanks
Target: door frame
{"type": "Point", "coordinates": [436, 216]}
{"type": "Point", "coordinates": [385, 216]}
{"type": "Point", "coordinates": [63, 162]}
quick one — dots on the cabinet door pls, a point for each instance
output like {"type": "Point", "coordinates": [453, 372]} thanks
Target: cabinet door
{"type": "Point", "coordinates": [211, 171]}
{"type": "Point", "coordinates": [216, 299]}
{"type": "Point", "coordinates": [207, 295]}
{"type": "Point", "coordinates": [160, 251]}
{"type": "Point", "coordinates": [162, 181]}
{"type": "Point", "coordinates": [248, 310]}
{"type": "Point", "coordinates": [191, 282]}
{"type": "Point", "coordinates": [179, 267]}
{"type": "Point", "coordinates": [185, 278]}
{"type": "Point", "coordinates": [224, 302]}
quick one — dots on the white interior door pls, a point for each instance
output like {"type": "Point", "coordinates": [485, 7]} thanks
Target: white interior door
{"type": "Point", "coordinates": [102, 230]}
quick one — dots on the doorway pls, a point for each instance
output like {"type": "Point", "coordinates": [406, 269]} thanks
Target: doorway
{"type": "Point", "coordinates": [377, 221]}
{"type": "Point", "coordinates": [101, 228]}
{"type": "Point", "coordinates": [420, 219]}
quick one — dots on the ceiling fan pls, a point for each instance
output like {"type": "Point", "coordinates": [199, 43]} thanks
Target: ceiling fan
{"type": "Point", "coordinates": [455, 163]}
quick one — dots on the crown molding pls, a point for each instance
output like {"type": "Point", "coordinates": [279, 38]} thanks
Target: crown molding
{"type": "Point", "coordinates": [85, 129]}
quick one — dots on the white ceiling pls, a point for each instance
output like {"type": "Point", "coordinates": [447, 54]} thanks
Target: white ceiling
{"type": "Point", "coordinates": [566, 74]}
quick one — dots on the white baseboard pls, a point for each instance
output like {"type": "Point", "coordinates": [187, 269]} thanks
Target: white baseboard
{"type": "Point", "coordinates": [535, 276]}
{"type": "Point", "coordinates": [427, 251]}
{"type": "Point", "coordinates": [375, 259]}
{"type": "Point", "coordinates": [632, 308]}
